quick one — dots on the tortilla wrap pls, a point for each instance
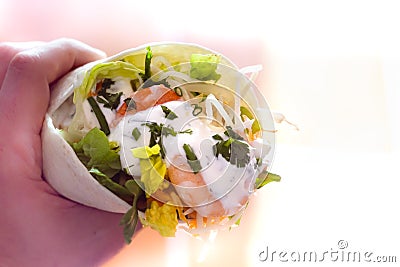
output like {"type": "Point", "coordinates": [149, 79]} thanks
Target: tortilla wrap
{"type": "Point", "coordinates": [62, 168]}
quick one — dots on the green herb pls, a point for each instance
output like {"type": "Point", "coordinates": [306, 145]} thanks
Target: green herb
{"type": "Point", "coordinates": [147, 64]}
{"type": "Point", "coordinates": [192, 158]}
{"type": "Point", "coordinates": [167, 130]}
{"type": "Point", "coordinates": [197, 109]}
{"type": "Point", "coordinates": [231, 133]}
{"type": "Point", "coordinates": [130, 103]}
{"type": "Point", "coordinates": [136, 133]}
{"type": "Point", "coordinates": [234, 149]}
{"type": "Point", "coordinates": [151, 82]}
{"type": "Point", "coordinates": [195, 93]}
{"type": "Point", "coordinates": [265, 178]}
{"type": "Point", "coordinates": [217, 137]}
{"type": "Point", "coordinates": [130, 218]}
{"type": "Point", "coordinates": [169, 114]}
{"type": "Point", "coordinates": [99, 115]}
{"type": "Point", "coordinates": [106, 84]}
{"type": "Point", "coordinates": [157, 131]}
{"type": "Point", "coordinates": [187, 131]}
{"type": "Point", "coordinates": [114, 187]}
{"type": "Point", "coordinates": [178, 91]}
{"type": "Point", "coordinates": [109, 100]}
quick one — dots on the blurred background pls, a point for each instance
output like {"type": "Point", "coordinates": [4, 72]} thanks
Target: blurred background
{"type": "Point", "coordinates": [331, 67]}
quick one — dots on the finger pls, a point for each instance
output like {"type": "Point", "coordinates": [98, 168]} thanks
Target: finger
{"type": "Point", "coordinates": [25, 91]}
{"type": "Point", "coordinates": [7, 52]}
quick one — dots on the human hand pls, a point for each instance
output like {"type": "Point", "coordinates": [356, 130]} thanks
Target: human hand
{"type": "Point", "coordinates": [38, 227]}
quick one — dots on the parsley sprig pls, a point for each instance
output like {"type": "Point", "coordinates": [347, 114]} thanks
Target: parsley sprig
{"type": "Point", "coordinates": [157, 131]}
{"type": "Point", "coordinates": [233, 149]}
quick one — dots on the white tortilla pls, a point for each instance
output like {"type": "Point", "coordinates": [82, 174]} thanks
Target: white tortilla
{"type": "Point", "coordinates": [61, 167]}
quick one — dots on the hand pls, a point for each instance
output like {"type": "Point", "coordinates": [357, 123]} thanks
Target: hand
{"type": "Point", "coordinates": [38, 227]}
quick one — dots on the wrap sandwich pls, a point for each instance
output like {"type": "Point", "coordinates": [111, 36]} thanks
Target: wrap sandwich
{"type": "Point", "coordinates": [171, 134]}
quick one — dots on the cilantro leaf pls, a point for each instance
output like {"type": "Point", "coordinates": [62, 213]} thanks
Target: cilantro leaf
{"type": "Point", "coordinates": [157, 131]}
{"type": "Point", "coordinates": [109, 100]}
{"type": "Point", "coordinates": [231, 133]}
{"type": "Point", "coordinates": [239, 153]}
{"type": "Point", "coordinates": [234, 149]}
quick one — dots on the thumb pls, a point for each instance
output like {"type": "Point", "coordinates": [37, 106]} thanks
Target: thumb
{"type": "Point", "coordinates": [25, 92]}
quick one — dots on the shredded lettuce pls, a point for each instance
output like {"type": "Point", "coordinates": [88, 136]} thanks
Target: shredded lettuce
{"type": "Point", "coordinates": [152, 167]}
{"type": "Point", "coordinates": [203, 67]}
{"type": "Point", "coordinates": [162, 218]}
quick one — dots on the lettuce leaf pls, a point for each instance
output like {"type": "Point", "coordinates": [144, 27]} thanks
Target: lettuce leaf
{"type": "Point", "coordinates": [104, 70]}
{"type": "Point", "coordinates": [95, 151]}
{"type": "Point", "coordinates": [78, 127]}
{"type": "Point", "coordinates": [203, 67]}
{"type": "Point", "coordinates": [162, 218]}
{"type": "Point", "coordinates": [152, 167]}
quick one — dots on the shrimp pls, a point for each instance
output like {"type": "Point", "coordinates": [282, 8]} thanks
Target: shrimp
{"type": "Point", "coordinates": [144, 99]}
{"type": "Point", "coordinates": [194, 191]}
{"type": "Point", "coordinates": [152, 96]}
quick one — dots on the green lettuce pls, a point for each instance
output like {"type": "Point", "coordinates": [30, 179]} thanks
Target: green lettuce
{"type": "Point", "coordinates": [96, 152]}
{"type": "Point", "coordinates": [203, 67]}
{"type": "Point", "coordinates": [152, 167]}
{"type": "Point", "coordinates": [104, 70]}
